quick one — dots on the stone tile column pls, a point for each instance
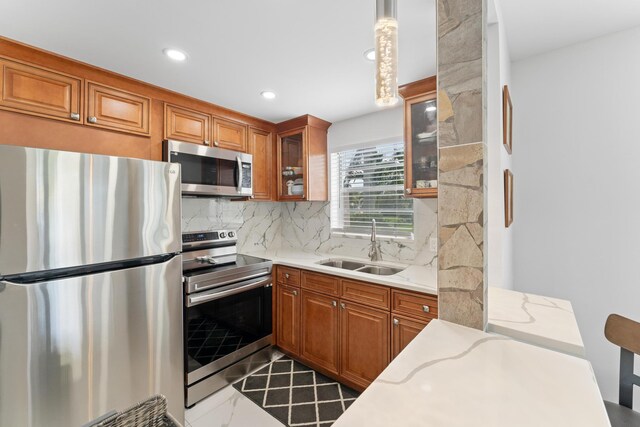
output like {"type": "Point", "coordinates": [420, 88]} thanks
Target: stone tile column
{"type": "Point", "coordinates": [461, 193]}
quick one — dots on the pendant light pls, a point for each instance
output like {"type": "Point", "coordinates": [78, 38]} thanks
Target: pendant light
{"type": "Point", "coordinates": [386, 32]}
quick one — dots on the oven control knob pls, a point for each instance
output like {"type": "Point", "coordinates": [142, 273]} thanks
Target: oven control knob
{"type": "Point", "coordinates": [231, 234]}
{"type": "Point", "coordinates": [223, 235]}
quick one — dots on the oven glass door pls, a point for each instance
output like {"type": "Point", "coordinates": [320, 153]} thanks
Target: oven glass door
{"type": "Point", "coordinates": [224, 325]}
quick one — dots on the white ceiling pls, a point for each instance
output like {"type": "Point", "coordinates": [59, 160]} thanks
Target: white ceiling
{"type": "Point", "coordinates": [537, 26]}
{"type": "Point", "coordinates": [309, 52]}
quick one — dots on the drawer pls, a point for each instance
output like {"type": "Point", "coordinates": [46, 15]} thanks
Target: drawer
{"type": "Point", "coordinates": [365, 293]}
{"type": "Point", "coordinates": [321, 283]}
{"type": "Point", "coordinates": [416, 305]}
{"type": "Point", "coordinates": [288, 276]}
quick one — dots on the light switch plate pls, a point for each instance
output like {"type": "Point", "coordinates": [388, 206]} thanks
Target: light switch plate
{"type": "Point", "coordinates": [433, 244]}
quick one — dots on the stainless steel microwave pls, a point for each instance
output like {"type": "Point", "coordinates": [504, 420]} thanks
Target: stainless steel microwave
{"type": "Point", "coordinates": [208, 171]}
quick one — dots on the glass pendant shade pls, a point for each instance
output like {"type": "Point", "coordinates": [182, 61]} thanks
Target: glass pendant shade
{"type": "Point", "coordinates": [386, 33]}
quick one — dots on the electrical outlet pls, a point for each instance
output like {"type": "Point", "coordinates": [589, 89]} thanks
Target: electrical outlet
{"type": "Point", "coordinates": [433, 244]}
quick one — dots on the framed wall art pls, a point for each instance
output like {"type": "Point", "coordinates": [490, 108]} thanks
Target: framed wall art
{"type": "Point", "coordinates": [508, 198]}
{"type": "Point", "coordinates": [507, 120]}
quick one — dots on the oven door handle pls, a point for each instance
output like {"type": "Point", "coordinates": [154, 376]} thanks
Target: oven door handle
{"type": "Point", "coordinates": [239, 161]}
{"type": "Point", "coordinates": [203, 297]}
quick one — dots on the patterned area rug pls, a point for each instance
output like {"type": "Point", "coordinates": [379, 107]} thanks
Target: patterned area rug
{"type": "Point", "coordinates": [296, 395]}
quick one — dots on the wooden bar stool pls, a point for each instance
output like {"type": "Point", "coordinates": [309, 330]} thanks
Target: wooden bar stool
{"type": "Point", "coordinates": [624, 333]}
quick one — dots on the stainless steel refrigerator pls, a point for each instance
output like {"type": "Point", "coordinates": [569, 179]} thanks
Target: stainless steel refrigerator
{"type": "Point", "coordinates": [90, 286]}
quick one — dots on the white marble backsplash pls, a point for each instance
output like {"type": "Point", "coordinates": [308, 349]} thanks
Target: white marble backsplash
{"type": "Point", "coordinates": [305, 226]}
{"type": "Point", "coordinates": [258, 223]}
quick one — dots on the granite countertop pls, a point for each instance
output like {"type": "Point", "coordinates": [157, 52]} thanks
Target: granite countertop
{"type": "Point", "coordinates": [414, 278]}
{"type": "Point", "coordinates": [450, 375]}
{"type": "Point", "coordinates": [543, 321]}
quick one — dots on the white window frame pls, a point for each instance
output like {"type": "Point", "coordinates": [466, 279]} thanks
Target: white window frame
{"type": "Point", "coordinates": [338, 210]}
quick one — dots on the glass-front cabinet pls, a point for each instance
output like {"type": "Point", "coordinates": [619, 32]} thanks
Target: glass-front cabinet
{"type": "Point", "coordinates": [302, 159]}
{"type": "Point", "coordinates": [421, 139]}
{"type": "Point", "coordinates": [292, 170]}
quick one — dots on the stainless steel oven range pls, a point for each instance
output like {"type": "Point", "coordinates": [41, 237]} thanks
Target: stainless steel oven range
{"type": "Point", "coordinates": [227, 315]}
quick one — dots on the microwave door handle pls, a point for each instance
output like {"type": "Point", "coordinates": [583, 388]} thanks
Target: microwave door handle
{"type": "Point", "coordinates": [214, 295]}
{"type": "Point", "coordinates": [239, 188]}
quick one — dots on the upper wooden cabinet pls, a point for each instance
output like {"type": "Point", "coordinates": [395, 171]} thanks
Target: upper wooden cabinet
{"type": "Point", "coordinates": [229, 135]}
{"type": "Point", "coordinates": [116, 109]}
{"type": "Point", "coordinates": [261, 148]}
{"type": "Point", "coordinates": [302, 159]}
{"type": "Point", "coordinates": [186, 125]}
{"type": "Point", "coordinates": [40, 92]}
{"type": "Point", "coordinates": [421, 139]}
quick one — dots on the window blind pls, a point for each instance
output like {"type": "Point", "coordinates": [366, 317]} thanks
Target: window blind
{"type": "Point", "coordinates": [368, 183]}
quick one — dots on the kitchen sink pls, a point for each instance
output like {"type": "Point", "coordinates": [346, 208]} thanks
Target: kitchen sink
{"type": "Point", "coordinates": [378, 270]}
{"type": "Point", "coordinates": [342, 263]}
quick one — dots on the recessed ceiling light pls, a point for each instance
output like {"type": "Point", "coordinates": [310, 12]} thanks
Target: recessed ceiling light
{"type": "Point", "coordinates": [267, 94]}
{"type": "Point", "coordinates": [431, 108]}
{"type": "Point", "coordinates": [175, 54]}
{"type": "Point", "coordinates": [370, 54]}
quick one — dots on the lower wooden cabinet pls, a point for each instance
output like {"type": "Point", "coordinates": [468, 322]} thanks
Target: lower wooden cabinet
{"type": "Point", "coordinates": [288, 318]}
{"type": "Point", "coordinates": [319, 330]}
{"type": "Point", "coordinates": [349, 330]}
{"type": "Point", "coordinates": [403, 331]}
{"type": "Point", "coordinates": [364, 346]}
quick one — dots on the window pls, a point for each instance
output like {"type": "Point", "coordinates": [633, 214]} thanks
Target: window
{"type": "Point", "coordinates": [368, 183]}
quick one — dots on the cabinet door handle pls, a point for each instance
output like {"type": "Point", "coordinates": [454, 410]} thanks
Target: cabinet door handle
{"type": "Point", "coordinates": [75, 116]}
{"type": "Point", "coordinates": [333, 303]}
{"type": "Point", "coordinates": [343, 305]}
{"type": "Point", "coordinates": [205, 142]}
{"type": "Point", "coordinates": [92, 119]}
{"type": "Point", "coordinates": [408, 191]}
{"type": "Point", "coordinates": [295, 293]}
{"type": "Point", "coordinates": [425, 308]}
{"type": "Point", "coordinates": [216, 143]}
{"type": "Point", "coordinates": [286, 275]}
{"type": "Point", "coordinates": [396, 322]}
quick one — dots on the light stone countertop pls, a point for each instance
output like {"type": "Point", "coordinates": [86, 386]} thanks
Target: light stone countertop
{"type": "Point", "coordinates": [543, 321]}
{"type": "Point", "coordinates": [414, 278]}
{"type": "Point", "coordinates": [450, 375]}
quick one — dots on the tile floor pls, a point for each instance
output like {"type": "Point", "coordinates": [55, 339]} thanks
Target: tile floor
{"type": "Point", "coordinates": [229, 408]}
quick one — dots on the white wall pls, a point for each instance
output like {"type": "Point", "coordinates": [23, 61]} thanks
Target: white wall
{"type": "Point", "coordinates": [577, 186]}
{"type": "Point", "coordinates": [499, 238]}
{"type": "Point", "coordinates": [382, 125]}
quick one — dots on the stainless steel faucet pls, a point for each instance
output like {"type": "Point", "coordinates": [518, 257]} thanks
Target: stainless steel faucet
{"type": "Point", "coordinates": [374, 250]}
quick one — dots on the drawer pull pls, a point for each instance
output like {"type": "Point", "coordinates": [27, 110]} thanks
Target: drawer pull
{"type": "Point", "coordinates": [295, 293]}
{"type": "Point", "coordinates": [343, 305]}
{"type": "Point", "coordinates": [92, 119]}
{"type": "Point", "coordinates": [396, 322]}
{"type": "Point", "coordinates": [425, 308]}
{"type": "Point", "coordinates": [333, 303]}
{"type": "Point", "coordinates": [205, 142]}
{"type": "Point", "coordinates": [75, 116]}
{"type": "Point", "coordinates": [216, 143]}
{"type": "Point", "coordinates": [286, 275]}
